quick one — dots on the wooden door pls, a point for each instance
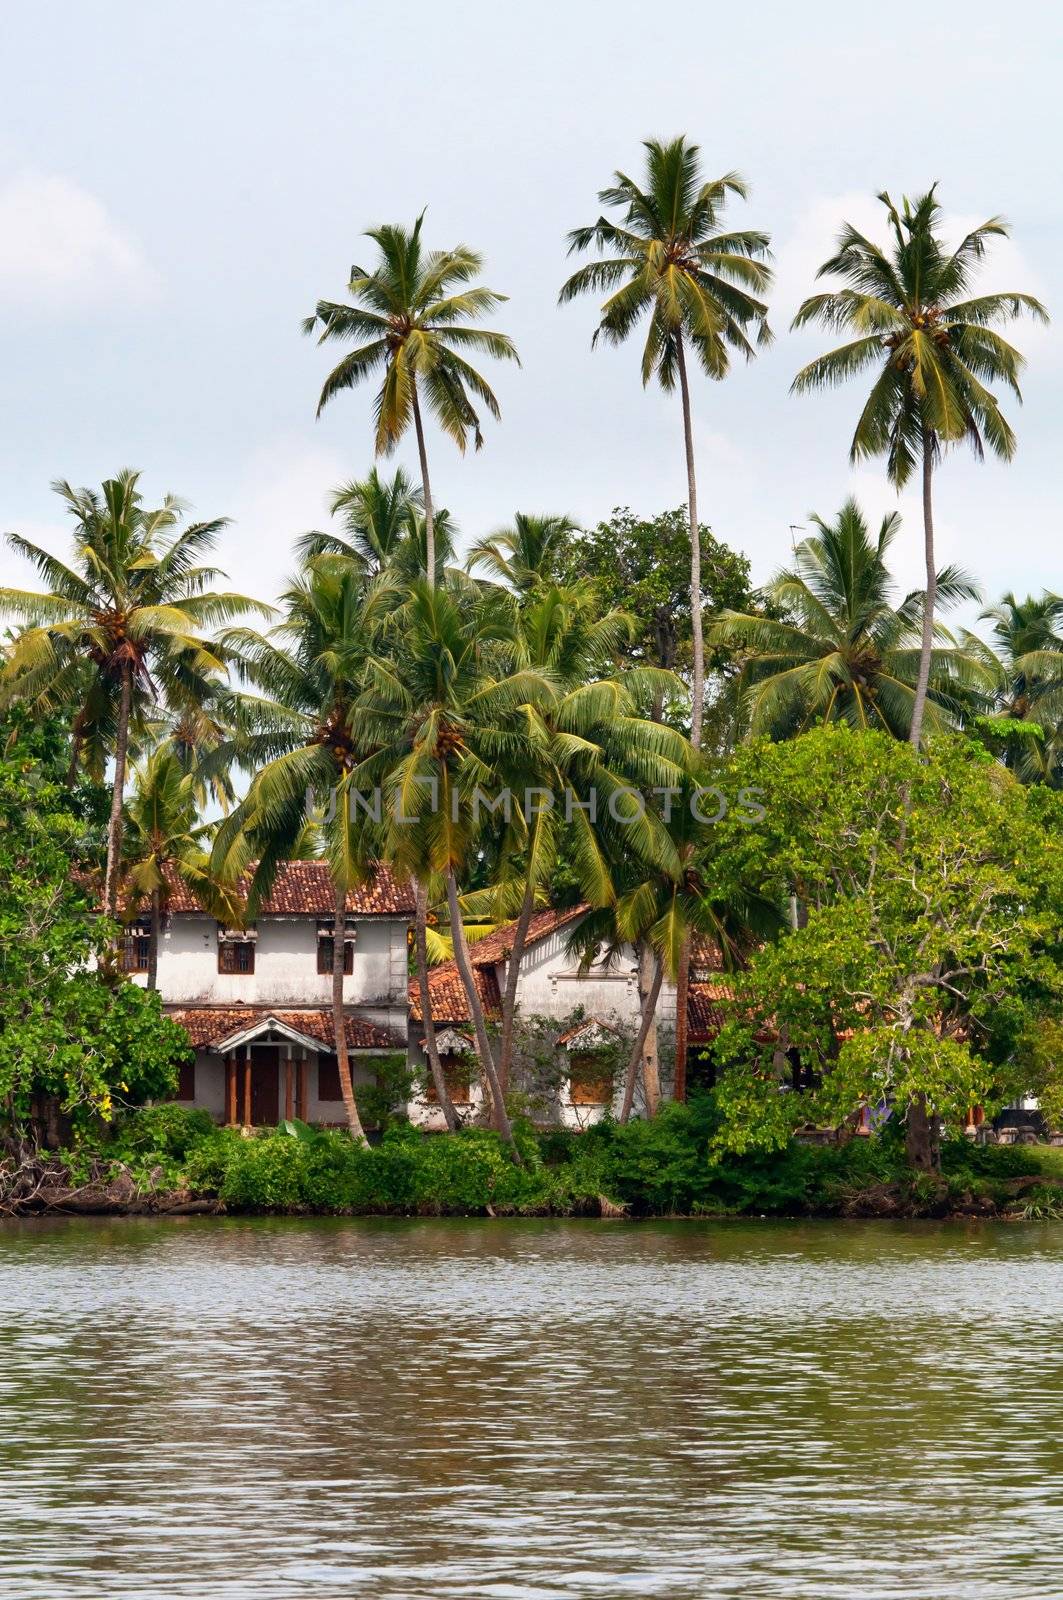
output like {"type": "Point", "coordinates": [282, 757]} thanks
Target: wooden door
{"type": "Point", "coordinates": [265, 1085]}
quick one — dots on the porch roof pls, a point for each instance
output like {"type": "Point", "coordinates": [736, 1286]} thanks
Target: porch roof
{"type": "Point", "coordinates": [224, 1028]}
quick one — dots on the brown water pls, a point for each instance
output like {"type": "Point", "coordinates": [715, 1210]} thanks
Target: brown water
{"type": "Point", "coordinates": [244, 1410]}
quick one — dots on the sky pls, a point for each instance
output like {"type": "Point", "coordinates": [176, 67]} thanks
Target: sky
{"type": "Point", "coordinates": [179, 183]}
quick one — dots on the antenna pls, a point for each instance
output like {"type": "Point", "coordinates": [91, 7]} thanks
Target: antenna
{"type": "Point", "coordinates": [795, 527]}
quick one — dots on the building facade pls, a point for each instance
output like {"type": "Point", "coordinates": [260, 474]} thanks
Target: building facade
{"type": "Point", "coordinates": [256, 1001]}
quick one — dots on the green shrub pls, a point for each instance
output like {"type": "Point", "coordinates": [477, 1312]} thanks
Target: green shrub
{"type": "Point", "coordinates": [265, 1175]}
{"type": "Point", "coordinates": [171, 1130]}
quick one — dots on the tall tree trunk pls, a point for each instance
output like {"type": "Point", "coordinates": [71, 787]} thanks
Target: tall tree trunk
{"type": "Point", "coordinates": [648, 1014]}
{"type": "Point", "coordinates": [435, 1066]}
{"type": "Point", "coordinates": [339, 1021]}
{"type": "Point", "coordinates": [651, 1072]}
{"type": "Point", "coordinates": [927, 644]}
{"type": "Point", "coordinates": [429, 513]}
{"type": "Point", "coordinates": [114, 826]}
{"type": "Point", "coordinates": [483, 1043]}
{"type": "Point", "coordinates": [509, 996]}
{"type": "Point", "coordinates": [682, 992]}
{"type": "Point", "coordinates": [697, 699]}
{"type": "Point", "coordinates": [921, 1136]}
{"type": "Point", "coordinates": [697, 693]}
{"type": "Point", "coordinates": [153, 946]}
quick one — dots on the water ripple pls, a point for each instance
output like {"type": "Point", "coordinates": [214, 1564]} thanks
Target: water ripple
{"type": "Point", "coordinates": [456, 1409]}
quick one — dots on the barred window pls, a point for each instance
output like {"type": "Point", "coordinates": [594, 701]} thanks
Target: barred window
{"type": "Point", "coordinates": [325, 946]}
{"type": "Point", "coordinates": [135, 952]}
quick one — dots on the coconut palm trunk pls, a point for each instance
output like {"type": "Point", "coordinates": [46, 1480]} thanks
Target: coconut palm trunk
{"type": "Point", "coordinates": [426, 487]}
{"type": "Point", "coordinates": [155, 933]}
{"type": "Point", "coordinates": [114, 825]}
{"type": "Point", "coordinates": [339, 1021]}
{"type": "Point", "coordinates": [509, 996]}
{"type": "Point", "coordinates": [435, 1066]}
{"type": "Point", "coordinates": [649, 1012]}
{"type": "Point", "coordinates": [697, 699]}
{"type": "Point", "coordinates": [483, 1043]}
{"type": "Point", "coordinates": [927, 645]}
{"type": "Point", "coordinates": [697, 691]}
{"type": "Point", "coordinates": [651, 1072]}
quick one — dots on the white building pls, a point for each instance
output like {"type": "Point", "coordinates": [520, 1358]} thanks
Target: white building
{"type": "Point", "coordinates": [553, 984]}
{"type": "Point", "coordinates": [256, 1001]}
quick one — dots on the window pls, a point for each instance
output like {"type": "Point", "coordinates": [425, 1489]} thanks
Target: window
{"type": "Point", "coordinates": [590, 1079]}
{"type": "Point", "coordinates": [325, 946]}
{"type": "Point", "coordinates": [236, 956]}
{"type": "Point", "coordinates": [135, 953]}
{"type": "Point", "coordinates": [328, 1079]}
{"type": "Point", "coordinates": [456, 1078]}
{"type": "Point", "coordinates": [186, 1081]}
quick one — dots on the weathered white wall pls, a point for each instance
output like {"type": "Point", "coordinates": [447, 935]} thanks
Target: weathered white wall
{"type": "Point", "coordinates": [551, 985]}
{"type": "Point", "coordinates": [285, 966]}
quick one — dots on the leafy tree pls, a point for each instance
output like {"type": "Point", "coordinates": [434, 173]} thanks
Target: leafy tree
{"type": "Point", "coordinates": [933, 348]}
{"type": "Point", "coordinates": [642, 565]}
{"type": "Point", "coordinates": [838, 649]}
{"type": "Point", "coordinates": [696, 287]}
{"type": "Point", "coordinates": [72, 1043]}
{"type": "Point", "coordinates": [931, 895]}
{"type": "Point", "coordinates": [412, 321]}
{"type": "Point", "coordinates": [119, 633]}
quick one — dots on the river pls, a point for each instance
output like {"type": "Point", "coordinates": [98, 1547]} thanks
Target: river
{"type": "Point", "coordinates": [259, 1408]}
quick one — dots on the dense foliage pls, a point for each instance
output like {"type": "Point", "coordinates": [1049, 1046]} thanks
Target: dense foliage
{"type": "Point", "coordinates": [72, 1042]}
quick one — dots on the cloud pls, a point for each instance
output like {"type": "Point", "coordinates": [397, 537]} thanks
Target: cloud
{"type": "Point", "coordinates": [281, 492]}
{"type": "Point", "coordinates": [60, 247]}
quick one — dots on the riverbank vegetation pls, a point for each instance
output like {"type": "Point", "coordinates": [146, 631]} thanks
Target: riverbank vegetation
{"type": "Point", "coordinates": [170, 1160]}
{"type": "Point", "coordinates": [859, 809]}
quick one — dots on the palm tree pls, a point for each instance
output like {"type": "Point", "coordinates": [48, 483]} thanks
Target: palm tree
{"type": "Point", "coordinates": [838, 649]}
{"type": "Point", "coordinates": [1026, 658]}
{"type": "Point", "coordinates": [411, 321]}
{"type": "Point", "coordinates": [658, 907]}
{"type": "Point", "coordinates": [385, 530]}
{"type": "Point", "coordinates": [447, 727]}
{"type": "Point", "coordinates": [118, 633]}
{"type": "Point", "coordinates": [589, 746]}
{"type": "Point", "coordinates": [933, 348]}
{"type": "Point", "coordinates": [163, 839]}
{"type": "Point", "coordinates": [526, 553]}
{"type": "Point", "coordinates": [696, 286]}
{"type": "Point", "coordinates": [303, 740]}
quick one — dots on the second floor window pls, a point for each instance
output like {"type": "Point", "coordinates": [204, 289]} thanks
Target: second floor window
{"type": "Point", "coordinates": [325, 946]}
{"type": "Point", "coordinates": [135, 952]}
{"type": "Point", "coordinates": [236, 956]}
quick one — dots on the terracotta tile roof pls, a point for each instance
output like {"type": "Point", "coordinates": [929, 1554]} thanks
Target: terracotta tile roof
{"type": "Point", "coordinates": [707, 1010]}
{"type": "Point", "coordinates": [304, 888]}
{"type": "Point", "coordinates": [592, 1025]}
{"type": "Point", "coordinates": [208, 1026]}
{"type": "Point", "coordinates": [449, 1000]}
{"type": "Point", "coordinates": [705, 954]}
{"type": "Point", "coordinates": [497, 945]}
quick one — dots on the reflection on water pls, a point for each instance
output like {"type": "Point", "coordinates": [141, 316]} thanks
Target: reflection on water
{"type": "Point", "coordinates": [243, 1410]}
